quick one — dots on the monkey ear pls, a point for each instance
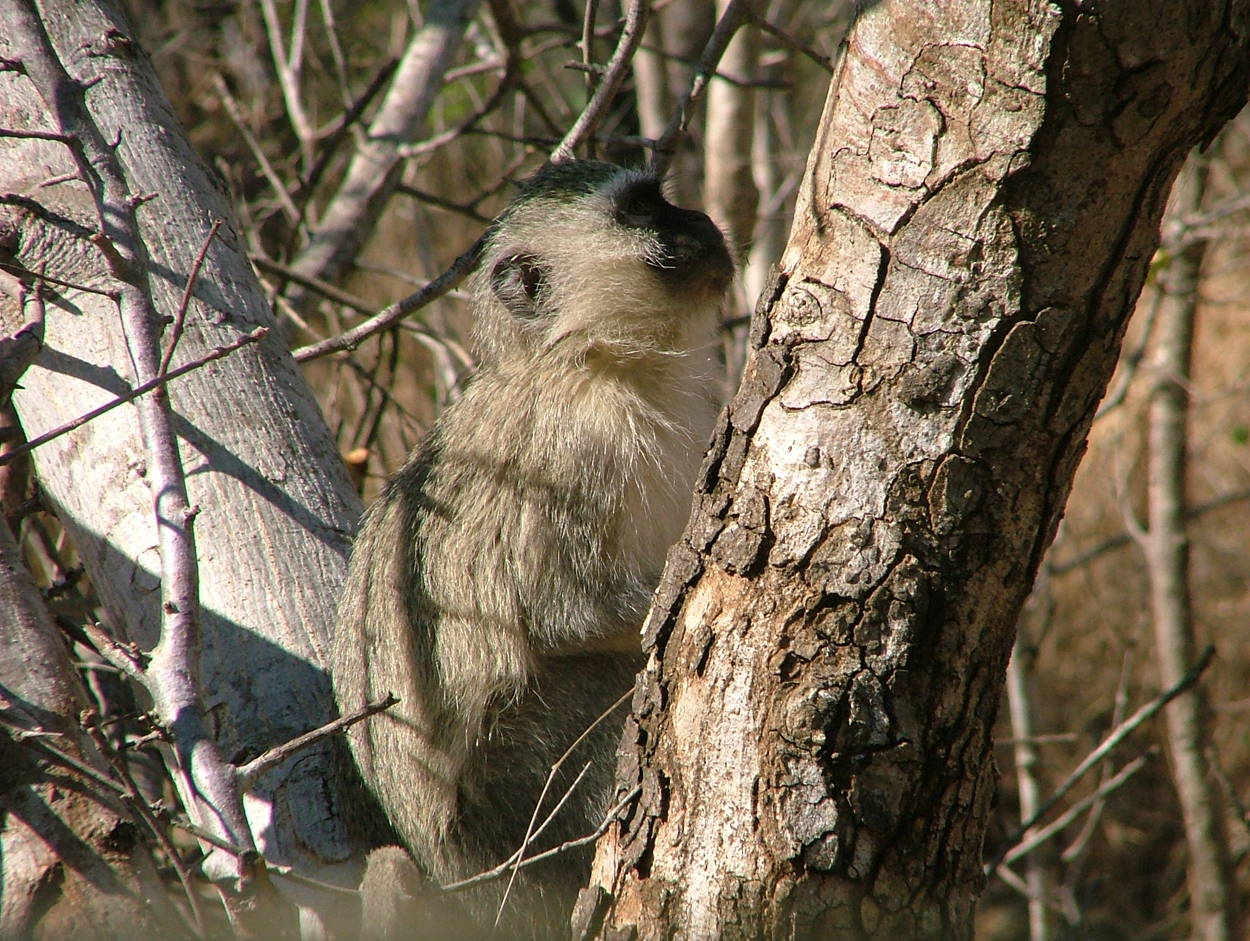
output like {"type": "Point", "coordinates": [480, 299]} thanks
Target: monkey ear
{"type": "Point", "coordinates": [519, 280]}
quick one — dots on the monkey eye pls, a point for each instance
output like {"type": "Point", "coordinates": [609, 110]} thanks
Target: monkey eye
{"type": "Point", "coordinates": [639, 207]}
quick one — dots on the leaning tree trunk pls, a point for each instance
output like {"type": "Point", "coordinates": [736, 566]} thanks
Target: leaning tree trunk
{"type": "Point", "coordinates": [275, 506]}
{"type": "Point", "coordinates": [811, 740]}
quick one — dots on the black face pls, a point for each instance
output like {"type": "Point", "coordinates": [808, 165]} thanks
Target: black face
{"type": "Point", "coordinates": [692, 250]}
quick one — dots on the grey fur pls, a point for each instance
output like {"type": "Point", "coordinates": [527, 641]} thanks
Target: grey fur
{"type": "Point", "coordinates": [498, 586]}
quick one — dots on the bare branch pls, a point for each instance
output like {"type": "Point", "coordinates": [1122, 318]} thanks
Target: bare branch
{"type": "Point", "coordinates": [499, 871]}
{"type": "Point", "coordinates": [161, 380]}
{"type": "Point", "coordinates": [134, 800]}
{"type": "Point", "coordinates": [351, 214]}
{"type": "Point", "coordinates": [126, 657]}
{"type": "Point", "coordinates": [288, 70]}
{"type": "Point", "coordinates": [587, 122]}
{"type": "Point", "coordinates": [1124, 539]}
{"type": "Point", "coordinates": [267, 761]}
{"type": "Point", "coordinates": [316, 285]}
{"type": "Point", "coordinates": [18, 351]}
{"type": "Point", "coordinates": [1121, 732]}
{"type": "Point", "coordinates": [1045, 833]}
{"type": "Point", "coordinates": [180, 317]}
{"type": "Point", "coordinates": [275, 181]}
{"type": "Point", "coordinates": [21, 272]}
{"type": "Point", "coordinates": [736, 15]}
{"type": "Point", "coordinates": [790, 42]}
{"type": "Point", "coordinates": [391, 315]}
{"type": "Point", "coordinates": [172, 676]}
{"type": "Point", "coordinates": [464, 209]}
{"type": "Point", "coordinates": [529, 830]}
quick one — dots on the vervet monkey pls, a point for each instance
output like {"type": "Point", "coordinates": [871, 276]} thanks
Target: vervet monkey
{"type": "Point", "coordinates": [499, 584]}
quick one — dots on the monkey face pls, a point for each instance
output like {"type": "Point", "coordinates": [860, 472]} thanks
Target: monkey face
{"type": "Point", "coordinates": [592, 258]}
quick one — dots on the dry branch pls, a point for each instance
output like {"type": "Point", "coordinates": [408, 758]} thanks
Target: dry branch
{"type": "Point", "coordinates": [1118, 735]}
{"type": "Point", "coordinates": [248, 773]}
{"type": "Point", "coordinates": [172, 676]}
{"type": "Point", "coordinates": [161, 380]}
{"type": "Point", "coordinates": [350, 216]}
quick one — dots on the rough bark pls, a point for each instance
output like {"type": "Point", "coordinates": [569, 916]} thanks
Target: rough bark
{"type": "Point", "coordinates": [1212, 894]}
{"type": "Point", "coordinates": [75, 868]}
{"type": "Point", "coordinates": [275, 505]}
{"type": "Point", "coordinates": [812, 732]}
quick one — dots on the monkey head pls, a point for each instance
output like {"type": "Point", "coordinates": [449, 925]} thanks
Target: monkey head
{"type": "Point", "coordinates": [591, 259]}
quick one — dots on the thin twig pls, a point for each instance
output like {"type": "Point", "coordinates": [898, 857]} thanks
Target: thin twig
{"type": "Point", "coordinates": [1133, 358]}
{"type": "Point", "coordinates": [1009, 877]}
{"type": "Point", "coordinates": [1077, 847]}
{"type": "Point", "coordinates": [736, 15]}
{"type": "Point", "coordinates": [21, 272]}
{"type": "Point", "coordinates": [790, 42]}
{"type": "Point", "coordinates": [389, 316]}
{"type": "Point", "coordinates": [212, 356]}
{"type": "Point", "coordinates": [126, 657]}
{"type": "Point", "coordinates": [461, 208]}
{"type": "Point", "coordinates": [179, 318]}
{"type": "Point", "coordinates": [1123, 539]}
{"type": "Point", "coordinates": [499, 871]}
{"type": "Point", "coordinates": [288, 70]}
{"type": "Point", "coordinates": [587, 122]}
{"type": "Point", "coordinates": [593, 71]}
{"type": "Point", "coordinates": [1122, 732]}
{"type": "Point", "coordinates": [506, 81]}
{"type": "Point", "coordinates": [250, 772]}
{"type": "Point", "coordinates": [275, 182]}
{"type": "Point", "coordinates": [316, 285]}
{"type": "Point", "coordinates": [36, 135]}
{"type": "Point", "coordinates": [338, 132]}
{"type": "Point", "coordinates": [529, 831]}
{"type": "Point", "coordinates": [1060, 823]}
{"type": "Point", "coordinates": [135, 801]}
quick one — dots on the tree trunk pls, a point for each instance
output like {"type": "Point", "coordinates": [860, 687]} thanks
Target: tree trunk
{"type": "Point", "coordinates": [1212, 895]}
{"type": "Point", "coordinates": [75, 867]}
{"type": "Point", "coordinates": [811, 738]}
{"type": "Point", "coordinates": [276, 508]}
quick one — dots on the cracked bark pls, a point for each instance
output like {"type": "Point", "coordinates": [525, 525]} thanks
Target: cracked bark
{"type": "Point", "coordinates": [828, 643]}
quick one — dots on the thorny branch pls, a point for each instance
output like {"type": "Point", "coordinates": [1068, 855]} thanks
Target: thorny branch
{"type": "Point", "coordinates": [172, 677]}
{"type": "Point", "coordinates": [161, 380]}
